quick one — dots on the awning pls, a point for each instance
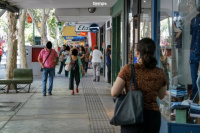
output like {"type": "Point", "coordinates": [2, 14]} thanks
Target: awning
{"type": "Point", "coordinates": [69, 31]}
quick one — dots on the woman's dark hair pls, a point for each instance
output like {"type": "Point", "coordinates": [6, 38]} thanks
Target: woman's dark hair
{"type": "Point", "coordinates": [82, 48]}
{"type": "Point", "coordinates": [74, 52]}
{"type": "Point", "coordinates": [49, 45]}
{"type": "Point", "coordinates": [108, 49]}
{"type": "Point", "coordinates": [95, 47]}
{"type": "Point", "coordinates": [147, 48]}
{"type": "Point", "coordinates": [67, 48]}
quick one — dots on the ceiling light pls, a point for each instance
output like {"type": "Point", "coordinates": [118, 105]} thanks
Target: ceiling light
{"type": "Point", "coordinates": [145, 1]}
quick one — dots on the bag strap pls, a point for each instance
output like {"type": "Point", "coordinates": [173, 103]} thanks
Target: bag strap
{"type": "Point", "coordinates": [47, 57]}
{"type": "Point", "coordinates": [133, 80]}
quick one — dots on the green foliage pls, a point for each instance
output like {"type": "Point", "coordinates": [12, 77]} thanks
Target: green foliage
{"type": "Point", "coordinates": [4, 23]}
{"type": "Point", "coordinates": [29, 38]}
{"type": "Point", "coordinates": [52, 24]}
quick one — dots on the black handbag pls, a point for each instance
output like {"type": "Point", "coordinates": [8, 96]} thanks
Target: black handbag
{"type": "Point", "coordinates": [129, 107]}
{"type": "Point", "coordinates": [45, 61]}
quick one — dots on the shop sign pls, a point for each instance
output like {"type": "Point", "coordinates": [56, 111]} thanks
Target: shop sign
{"type": "Point", "coordinates": [100, 4]}
{"type": "Point", "coordinates": [82, 27]}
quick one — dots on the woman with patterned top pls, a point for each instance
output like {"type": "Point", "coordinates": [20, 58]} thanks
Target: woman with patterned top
{"type": "Point", "coordinates": [87, 56]}
{"type": "Point", "coordinates": [151, 80]}
{"type": "Point", "coordinates": [81, 54]}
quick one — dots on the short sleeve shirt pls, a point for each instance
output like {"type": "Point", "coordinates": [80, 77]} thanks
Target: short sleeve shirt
{"type": "Point", "coordinates": [50, 61]}
{"type": "Point", "coordinates": [108, 60]}
{"type": "Point", "coordinates": [149, 81]}
{"type": "Point", "coordinates": [96, 56]}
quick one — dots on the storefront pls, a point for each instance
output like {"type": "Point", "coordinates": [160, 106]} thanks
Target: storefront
{"type": "Point", "coordinates": [118, 47]}
{"type": "Point", "coordinates": [174, 25]}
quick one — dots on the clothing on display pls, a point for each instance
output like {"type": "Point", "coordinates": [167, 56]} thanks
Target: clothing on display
{"type": "Point", "coordinates": [195, 51]}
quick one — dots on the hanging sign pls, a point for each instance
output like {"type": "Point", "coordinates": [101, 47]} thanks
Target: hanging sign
{"type": "Point", "coordinates": [39, 25]}
{"type": "Point", "coordinates": [83, 33]}
{"type": "Point", "coordinates": [82, 27]}
{"type": "Point", "coordinates": [94, 28]}
{"type": "Point", "coordinates": [29, 19]}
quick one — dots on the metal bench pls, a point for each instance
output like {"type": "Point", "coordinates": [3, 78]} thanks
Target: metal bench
{"type": "Point", "coordinates": [22, 76]}
{"type": "Point", "coordinates": [5, 83]}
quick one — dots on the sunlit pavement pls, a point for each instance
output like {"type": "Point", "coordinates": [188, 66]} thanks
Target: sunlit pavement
{"type": "Point", "coordinates": [86, 112]}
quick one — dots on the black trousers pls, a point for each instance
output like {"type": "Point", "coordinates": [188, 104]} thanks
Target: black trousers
{"type": "Point", "coordinates": [152, 122]}
{"type": "Point", "coordinates": [62, 64]}
{"type": "Point", "coordinates": [74, 75]}
{"type": "Point", "coordinates": [109, 73]}
{"type": "Point", "coordinates": [86, 66]}
{"type": "Point", "coordinates": [61, 68]}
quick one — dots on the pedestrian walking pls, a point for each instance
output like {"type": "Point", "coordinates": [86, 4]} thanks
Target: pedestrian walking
{"type": "Point", "coordinates": [87, 56]}
{"type": "Point", "coordinates": [1, 52]}
{"type": "Point", "coordinates": [108, 62]}
{"type": "Point", "coordinates": [151, 80]}
{"type": "Point", "coordinates": [96, 63]}
{"type": "Point", "coordinates": [76, 71]}
{"type": "Point", "coordinates": [81, 54]}
{"type": "Point", "coordinates": [64, 56]}
{"type": "Point", "coordinates": [46, 59]}
{"type": "Point", "coordinates": [61, 62]}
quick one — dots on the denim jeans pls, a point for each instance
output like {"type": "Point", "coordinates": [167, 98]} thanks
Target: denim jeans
{"type": "Point", "coordinates": [46, 72]}
{"type": "Point", "coordinates": [194, 65]}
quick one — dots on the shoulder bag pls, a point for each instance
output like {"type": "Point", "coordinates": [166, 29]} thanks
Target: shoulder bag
{"type": "Point", "coordinates": [129, 108]}
{"type": "Point", "coordinates": [45, 61]}
{"type": "Point", "coordinates": [68, 67]}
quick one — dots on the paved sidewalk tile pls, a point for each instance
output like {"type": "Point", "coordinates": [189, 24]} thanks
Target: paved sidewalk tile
{"type": "Point", "coordinates": [61, 112]}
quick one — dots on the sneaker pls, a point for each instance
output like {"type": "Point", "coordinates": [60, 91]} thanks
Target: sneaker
{"type": "Point", "coordinates": [44, 94]}
{"type": "Point", "coordinates": [94, 80]}
{"type": "Point", "coordinates": [58, 73]}
{"type": "Point", "coordinates": [50, 93]}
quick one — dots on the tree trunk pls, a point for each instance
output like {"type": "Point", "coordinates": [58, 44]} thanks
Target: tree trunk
{"type": "Point", "coordinates": [57, 38]}
{"type": "Point", "coordinates": [12, 45]}
{"type": "Point", "coordinates": [21, 39]}
{"type": "Point", "coordinates": [43, 27]}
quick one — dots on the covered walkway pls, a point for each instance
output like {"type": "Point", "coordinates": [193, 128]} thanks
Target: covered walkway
{"type": "Point", "coordinates": [88, 111]}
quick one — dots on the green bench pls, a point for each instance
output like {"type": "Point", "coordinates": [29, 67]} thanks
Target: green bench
{"type": "Point", "coordinates": [5, 83]}
{"type": "Point", "coordinates": [22, 76]}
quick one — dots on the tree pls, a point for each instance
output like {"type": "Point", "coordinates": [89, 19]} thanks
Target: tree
{"type": "Point", "coordinates": [21, 39]}
{"type": "Point", "coordinates": [12, 45]}
{"type": "Point", "coordinates": [40, 16]}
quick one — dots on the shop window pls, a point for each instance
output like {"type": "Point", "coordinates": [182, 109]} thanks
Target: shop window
{"type": "Point", "coordinates": [180, 57]}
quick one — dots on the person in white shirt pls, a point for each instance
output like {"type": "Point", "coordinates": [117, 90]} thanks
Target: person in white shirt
{"type": "Point", "coordinates": [96, 57]}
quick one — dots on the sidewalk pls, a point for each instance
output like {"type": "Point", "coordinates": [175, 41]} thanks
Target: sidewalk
{"type": "Point", "coordinates": [89, 111]}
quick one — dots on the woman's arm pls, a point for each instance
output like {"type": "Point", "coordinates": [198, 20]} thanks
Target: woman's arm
{"type": "Point", "coordinates": [83, 56]}
{"type": "Point", "coordinates": [62, 56]}
{"type": "Point", "coordinates": [117, 87]}
{"type": "Point", "coordinates": [162, 92]}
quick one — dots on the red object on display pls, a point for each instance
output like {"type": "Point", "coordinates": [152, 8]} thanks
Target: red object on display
{"type": "Point", "coordinates": [29, 19]}
{"type": "Point", "coordinates": [83, 33]}
{"type": "Point", "coordinates": [35, 53]}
